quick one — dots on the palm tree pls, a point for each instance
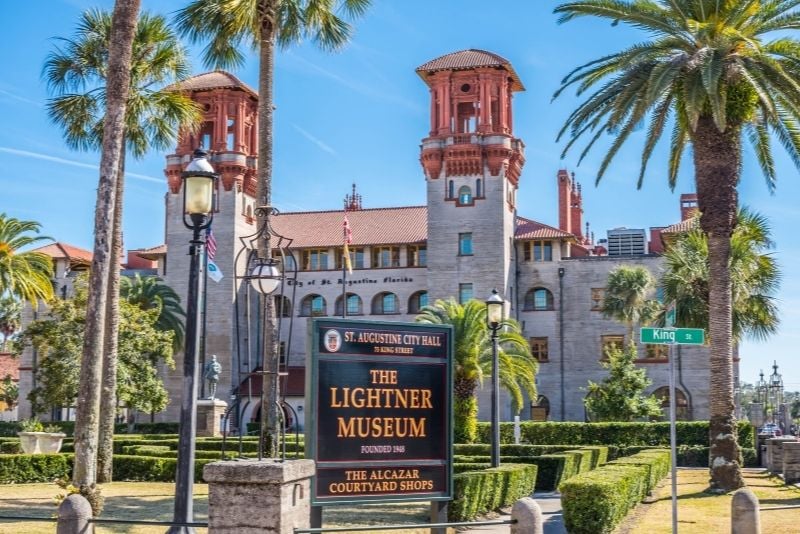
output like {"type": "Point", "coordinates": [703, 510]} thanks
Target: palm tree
{"type": "Point", "coordinates": [711, 71]}
{"type": "Point", "coordinates": [77, 72]}
{"type": "Point", "coordinates": [754, 278]}
{"type": "Point", "coordinates": [150, 292]}
{"type": "Point", "coordinates": [10, 310]}
{"type": "Point", "coordinates": [472, 360]}
{"type": "Point", "coordinates": [26, 275]}
{"type": "Point", "coordinates": [625, 298]}
{"type": "Point", "coordinates": [228, 26]}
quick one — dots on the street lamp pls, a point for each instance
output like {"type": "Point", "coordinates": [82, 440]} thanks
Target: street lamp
{"type": "Point", "coordinates": [199, 184]}
{"type": "Point", "coordinates": [494, 319]}
{"type": "Point", "coordinates": [265, 277]}
{"type": "Point", "coordinates": [775, 388]}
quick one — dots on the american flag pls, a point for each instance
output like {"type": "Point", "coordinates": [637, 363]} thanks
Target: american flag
{"type": "Point", "coordinates": [348, 239]}
{"type": "Point", "coordinates": [211, 244]}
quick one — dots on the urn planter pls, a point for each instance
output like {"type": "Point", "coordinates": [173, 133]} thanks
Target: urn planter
{"type": "Point", "coordinates": [41, 442]}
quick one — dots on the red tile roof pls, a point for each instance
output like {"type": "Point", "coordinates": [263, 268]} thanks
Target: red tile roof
{"type": "Point", "coordinates": [60, 250]}
{"type": "Point", "coordinates": [369, 227]}
{"type": "Point", "coordinates": [528, 229]}
{"type": "Point", "coordinates": [152, 253]}
{"type": "Point", "coordinates": [218, 79]}
{"type": "Point", "coordinates": [9, 365]}
{"type": "Point", "coordinates": [681, 227]}
{"type": "Point", "coordinates": [470, 59]}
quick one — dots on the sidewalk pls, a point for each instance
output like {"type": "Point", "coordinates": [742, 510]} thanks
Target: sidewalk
{"type": "Point", "coordinates": [549, 502]}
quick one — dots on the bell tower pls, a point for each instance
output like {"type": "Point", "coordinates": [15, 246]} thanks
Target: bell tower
{"type": "Point", "coordinates": [472, 164]}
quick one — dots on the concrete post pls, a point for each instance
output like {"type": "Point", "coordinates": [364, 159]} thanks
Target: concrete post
{"type": "Point", "coordinates": [74, 513]}
{"type": "Point", "coordinates": [528, 517]}
{"type": "Point", "coordinates": [775, 453]}
{"type": "Point", "coordinates": [791, 462]}
{"type": "Point", "coordinates": [744, 513]}
{"type": "Point", "coordinates": [256, 496]}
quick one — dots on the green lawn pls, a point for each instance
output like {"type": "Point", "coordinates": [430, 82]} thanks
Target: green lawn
{"type": "Point", "coordinates": [703, 513]}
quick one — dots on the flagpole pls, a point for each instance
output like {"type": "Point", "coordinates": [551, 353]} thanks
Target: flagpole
{"type": "Point", "coordinates": [204, 324]}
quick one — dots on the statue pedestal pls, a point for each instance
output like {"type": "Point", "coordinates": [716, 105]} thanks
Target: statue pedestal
{"type": "Point", "coordinates": [209, 417]}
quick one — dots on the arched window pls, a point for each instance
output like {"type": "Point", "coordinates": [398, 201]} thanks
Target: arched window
{"type": "Point", "coordinates": [681, 402]}
{"type": "Point", "coordinates": [385, 303]}
{"type": "Point", "coordinates": [538, 299]}
{"type": "Point", "coordinates": [417, 301]}
{"type": "Point", "coordinates": [354, 305]}
{"type": "Point", "coordinates": [313, 306]}
{"type": "Point", "coordinates": [451, 192]}
{"type": "Point", "coordinates": [283, 306]}
{"type": "Point", "coordinates": [464, 195]}
{"type": "Point", "coordinates": [478, 190]}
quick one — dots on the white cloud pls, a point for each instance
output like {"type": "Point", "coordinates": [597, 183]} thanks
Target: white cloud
{"type": "Point", "coordinates": [54, 159]}
{"type": "Point", "coordinates": [321, 144]}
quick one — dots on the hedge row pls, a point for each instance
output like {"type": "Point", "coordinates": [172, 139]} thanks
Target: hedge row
{"type": "Point", "coordinates": [23, 468]}
{"type": "Point", "coordinates": [596, 502]}
{"type": "Point", "coordinates": [10, 428]}
{"type": "Point", "coordinates": [619, 434]}
{"type": "Point", "coordinates": [152, 469]}
{"type": "Point", "coordinates": [478, 492]}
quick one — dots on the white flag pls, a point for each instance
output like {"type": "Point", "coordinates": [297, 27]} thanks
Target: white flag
{"type": "Point", "coordinates": [213, 271]}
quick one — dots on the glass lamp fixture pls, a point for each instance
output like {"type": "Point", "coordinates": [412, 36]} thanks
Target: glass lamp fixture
{"type": "Point", "coordinates": [265, 277]}
{"type": "Point", "coordinates": [494, 310]}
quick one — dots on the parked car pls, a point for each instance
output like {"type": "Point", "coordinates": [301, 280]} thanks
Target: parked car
{"type": "Point", "coordinates": [771, 430]}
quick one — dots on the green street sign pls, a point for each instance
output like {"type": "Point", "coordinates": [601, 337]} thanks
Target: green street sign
{"type": "Point", "coordinates": [673, 336]}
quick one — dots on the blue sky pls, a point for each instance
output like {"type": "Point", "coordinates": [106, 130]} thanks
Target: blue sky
{"type": "Point", "coordinates": [359, 115]}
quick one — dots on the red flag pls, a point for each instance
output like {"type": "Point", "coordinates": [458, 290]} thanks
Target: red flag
{"type": "Point", "coordinates": [211, 245]}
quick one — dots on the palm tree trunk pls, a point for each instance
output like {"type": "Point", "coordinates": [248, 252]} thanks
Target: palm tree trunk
{"type": "Point", "coordinates": [465, 410]}
{"type": "Point", "coordinates": [717, 158]}
{"type": "Point", "coordinates": [269, 407]}
{"type": "Point", "coordinates": [123, 28]}
{"type": "Point", "coordinates": [108, 398]}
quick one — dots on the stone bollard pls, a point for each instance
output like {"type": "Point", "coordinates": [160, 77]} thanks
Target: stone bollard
{"type": "Point", "coordinates": [256, 496]}
{"type": "Point", "coordinates": [528, 517]}
{"type": "Point", "coordinates": [74, 514]}
{"type": "Point", "coordinates": [744, 513]}
{"type": "Point", "coordinates": [776, 455]}
{"type": "Point", "coordinates": [791, 462]}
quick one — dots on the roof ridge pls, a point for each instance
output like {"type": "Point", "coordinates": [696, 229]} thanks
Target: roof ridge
{"type": "Point", "coordinates": [351, 211]}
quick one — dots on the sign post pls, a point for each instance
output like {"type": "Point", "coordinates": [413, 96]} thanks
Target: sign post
{"type": "Point", "coordinates": [671, 337]}
{"type": "Point", "coordinates": [380, 405]}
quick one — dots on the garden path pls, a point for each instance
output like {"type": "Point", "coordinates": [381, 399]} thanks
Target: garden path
{"type": "Point", "coordinates": [549, 502]}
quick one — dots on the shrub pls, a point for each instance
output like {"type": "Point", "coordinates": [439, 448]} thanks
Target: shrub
{"type": "Point", "coordinates": [599, 454]}
{"type": "Point", "coordinates": [10, 447]}
{"type": "Point", "coordinates": [478, 492]}
{"type": "Point", "coordinates": [24, 468]}
{"type": "Point", "coordinates": [595, 502]}
{"type": "Point", "coordinates": [152, 469]}
{"type": "Point", "coordinates": [463, 467]}
{"type": "Point", "coordinates": [483, 449]}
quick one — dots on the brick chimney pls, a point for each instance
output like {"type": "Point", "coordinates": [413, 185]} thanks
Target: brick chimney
{"type": "Point", "coordinates": [688, 205]}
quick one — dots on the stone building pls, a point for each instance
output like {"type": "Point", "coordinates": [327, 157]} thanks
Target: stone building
{"type": "Point", "coordinates": [466, 240]}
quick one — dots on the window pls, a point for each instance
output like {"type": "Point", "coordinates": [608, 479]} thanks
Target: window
{"type": "Point", "coordinates": [283, 306]}
{"type": "Point", "coordinates": [451, 191]}
{"type": "Point", "coordinates": [417, 301]}
{"type": "Point", "coordinates": [681, 403]}
{"type": "Point", "coordinates": [656, 352]}
{"type": "Point", "coordinates": [464, 195]}
{"type": "Point", "coordinates": [465, 244]}
{"type": "Point", "coordinates": [385, 303]}
{"type": "Point", "coordinates": [282, 353]}
{"type": "Point", "coordinates": [598, 294]}
{"type": "Point", "coordinates": [538, 299]}
{"type": "Point", "coordinates": [610, 342]}
{"type": "Point", "coordinates": [538, 250]}
{"type": "Point", "coordinates": [385, 257]}
{"type": "Point", "coordinates": [464, 293]}
{"type": "Point", "coordinates": [539, 348]}
{"type": "Point", "coordinates": [313, 306]}
{"type": "Point", "coordinates": [356, 257]}
{"type": "Point", "coordinates": [354, 305]}
{"type": "Point", "coordinates": [315, 259]}
{"type": "Point", "coordinates": [230, 137]}
{"type": "Point", "coordinates": [478, 190]}
{"type": "Point", "coordinates": [417, 256]}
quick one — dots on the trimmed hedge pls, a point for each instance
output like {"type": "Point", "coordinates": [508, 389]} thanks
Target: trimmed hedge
{"type": "Point", "coordinates": [596, 502]}
{"type": "Point", "coordinates": [478, 492]}
{"type": "Point", "coordinates": [23, 468]}
{"type": "Point", "coordinates": [552, 468]}
{"type": "Point", "coordinates": [152, 469]}
{"type": "Point", "coordinates": [696, 455]}
{"type": "Point", "coordinates": [620, 434]}
{"type": "Point", "coordinates": [484, 449]}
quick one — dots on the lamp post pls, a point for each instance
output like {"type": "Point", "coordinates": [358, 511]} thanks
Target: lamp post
{"type": "Point", "coordinates": [199, 180]}
{"type": "Point", "coordinates": [775, 388]}
{"type": "Point", "coordinates": [494, 319]}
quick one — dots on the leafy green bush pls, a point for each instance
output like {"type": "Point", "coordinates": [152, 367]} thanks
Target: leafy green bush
{"type": "Point", "coordinates": [10, 447]}
{"type": "Point", "coordinates": [619, 434]}
{"type": "Point", "coordinates": [507, 449]}
{"type": "Point", "coordinates": [152, 469]}
{"type": "Point", "coordinates": [150, 428]}
{"type": "Point", "coordinates": [595, 502]}
{"type": "Point", "coordinates": [478, 492]}
{"type": "Point", "coordinates": [463, 467]}
{"type": "Point", "coordinates": [25, 468]}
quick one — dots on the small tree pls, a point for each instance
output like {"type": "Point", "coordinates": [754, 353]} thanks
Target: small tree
{"type": "Point", "coordinates": [10, 310]}
{"type": "Point", "coordinates": [9, 392]}
{"type": "Point", "coordinates": [620, 396]}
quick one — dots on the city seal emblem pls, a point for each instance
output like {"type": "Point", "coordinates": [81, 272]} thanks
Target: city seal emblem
{"type": "Point", "coordinates": [332, 340]}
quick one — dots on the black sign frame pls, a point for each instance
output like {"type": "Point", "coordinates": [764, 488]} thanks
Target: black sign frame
{"type": "Point", "coordinates": [419, 354]}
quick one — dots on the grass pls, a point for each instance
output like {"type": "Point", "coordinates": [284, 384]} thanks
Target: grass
{"type": "Point", "coordinates": [155, 500]}
{"type": "Point", "coordinates": [703, 513]}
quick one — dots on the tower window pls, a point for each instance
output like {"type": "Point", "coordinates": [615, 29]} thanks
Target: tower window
{"type": "Point", "coordinates": [465, 88]}
{"type": "Point", "coordinates": [451, 192]}
{"type": "Point", "coordinates": [465, 244]}
{"type": "Point", "coordinates": [478, 190]}
{"type": "Point", "coordinates": [539, 348]}
{"type": "Point", "coordinates": [538, 299]}
{"type": "Point", "coordinates": [537, 251]}
{"type": "Point", "coordinates": [464, 293]}
{"type": "Point", "coordinates": [464, 195]}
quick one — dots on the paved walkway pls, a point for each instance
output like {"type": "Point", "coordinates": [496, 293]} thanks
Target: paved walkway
{"type": "Point", "coordinates": [549, 502]}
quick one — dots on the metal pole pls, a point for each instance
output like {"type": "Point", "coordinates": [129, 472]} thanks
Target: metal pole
{"type": "Point", "coordinates": [495, 402]}
{"type": "Point", "coordinates": [184, 477]}
{"type": "Point", "coordinates": [673, 439]}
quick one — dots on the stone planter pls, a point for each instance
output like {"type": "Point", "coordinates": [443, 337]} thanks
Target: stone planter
{"type": "Point", "coordinates": [41, 442]}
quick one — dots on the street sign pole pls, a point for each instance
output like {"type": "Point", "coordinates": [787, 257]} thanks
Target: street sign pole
{"type": "Point", "coordinates": [673, 438]}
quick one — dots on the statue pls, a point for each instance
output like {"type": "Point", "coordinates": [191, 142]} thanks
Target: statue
{"type": "Point", "coordinates": [211, 374]}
